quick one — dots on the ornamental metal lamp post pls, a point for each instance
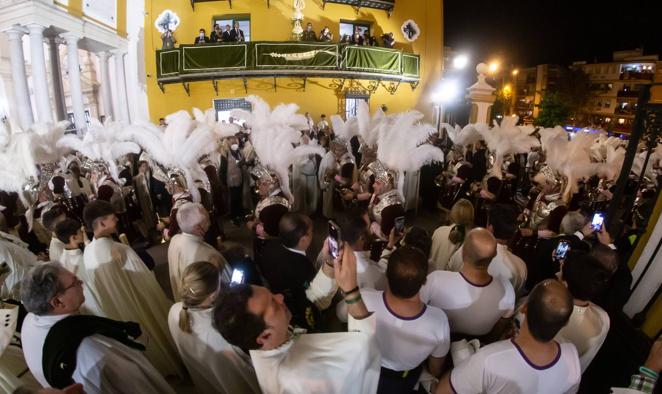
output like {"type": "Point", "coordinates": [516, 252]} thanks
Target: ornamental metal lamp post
{"type": "Point", "coordinates": [297, 18]}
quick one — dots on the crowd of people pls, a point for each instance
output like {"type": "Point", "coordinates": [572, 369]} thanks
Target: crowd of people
{"type": "Point", "coordinates": [513, 293]}
{"type": "Point", "coordinates": [234, 33]}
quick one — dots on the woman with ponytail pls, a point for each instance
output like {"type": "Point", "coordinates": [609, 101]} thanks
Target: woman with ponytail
{"type": "Point", "coordinates": [447, 239]}
{"type": "Point", "coordinates": [215, 365]}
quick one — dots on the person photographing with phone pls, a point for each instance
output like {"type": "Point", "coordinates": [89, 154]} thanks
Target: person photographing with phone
{"type": "Point", "coordinates": [289, 360]}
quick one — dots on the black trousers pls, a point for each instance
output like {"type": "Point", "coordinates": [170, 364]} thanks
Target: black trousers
{"type": "Point", "coordinates": [236, 206]}
{"type": "Point", "coordinates": [398, 382]}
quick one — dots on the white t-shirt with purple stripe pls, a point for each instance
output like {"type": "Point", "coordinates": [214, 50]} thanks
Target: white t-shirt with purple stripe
{"type": "Point", "coordinates": [503, 368]}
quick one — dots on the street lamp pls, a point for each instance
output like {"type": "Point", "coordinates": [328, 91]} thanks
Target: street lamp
{"type": "Point", "coordinates": [446, 92]}
{"type": "Point", "coordinates": [460, 61]}
{"type": "Point", "coordinates": [493, 67]}
{"type": "Point", "coordinates": [515, 72]}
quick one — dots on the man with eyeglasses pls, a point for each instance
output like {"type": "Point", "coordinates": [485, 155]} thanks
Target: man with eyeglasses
{"type": "Point", "coordinates": [62, 347]}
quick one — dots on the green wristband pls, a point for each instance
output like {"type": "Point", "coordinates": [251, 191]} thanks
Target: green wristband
{"type": "Point", "coordinates": [353, 300]}
{"type": "Point", "coordinates": [648, 372]}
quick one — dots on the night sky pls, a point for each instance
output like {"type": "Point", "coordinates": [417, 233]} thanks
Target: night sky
{"type": "Point", "coordinates": [530, 32]}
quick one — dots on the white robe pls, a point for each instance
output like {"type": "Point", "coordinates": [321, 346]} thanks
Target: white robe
{"type": "Point", "coordinates": [55, 249]}
{"type": "Point", "coordinates": [18, 259]}
{"type": "Point", "coordinates": [186, 249]}
{"type": "Point", "coordinates": [72, 260]}
{"type": "Point", "coordinates": [216, 367]}
{"type": "Point", "coordinates": [342, 363]}
{"type": "Point", "coordinates": [128, 291]}
{"type": "Point", "coordinates": [328, 163]}
{"type": "Point", "coordinates": [305, 186]}
{"type": "Point", "coordinates": [103, 365]}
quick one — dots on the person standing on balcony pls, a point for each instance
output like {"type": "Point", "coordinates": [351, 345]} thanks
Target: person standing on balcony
{"type": "Point", "coordinates": [389, 40]}
{"type": "Point", "coordinates": [357, 38]}
{"type": "Point", "coordinates": [326, 35]}
{"type": "Point", "coordinates": [236, 34]}
{"type": "Point", "coordinates": [225, 37]}
{"type": "Point", "coordinates": [309, 33]}
{"type": "Point", "coordinates": [201, 38]}
{"type": "Point", "coordinates": [168, 40]}
{"type": "Point", "coordinates": [216, 35]}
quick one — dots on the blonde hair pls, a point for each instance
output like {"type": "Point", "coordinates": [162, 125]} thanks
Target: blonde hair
{"type": "Point", "coordinates": [462, 217]}
{"type": "Point", "coordinates": [200, 279]}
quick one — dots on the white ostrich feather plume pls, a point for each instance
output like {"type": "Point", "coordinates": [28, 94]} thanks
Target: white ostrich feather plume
{"type": "Point", "coordinates": [507, 138]}
{"type": "Point", "coordinates": [344, 129]}
{"type": "Point", "coordinates": [368, 127]}
{"type": "Point", "coordinates": [274, 136]}
{"type": "Point", "coordinates": [179, 146]}
{"type": "Point", "coordinates": [222, 130]}
{"type": "Point", "coordinates": [402, 145]}
{"type": "Point", "coordinates": [572, 159]}
{"type": "Point", "coordinates": [101, 143]}
{"type": "Point", "coordinates": [21, 152]}
{"type": "Point", "coordinates": [463, 136]}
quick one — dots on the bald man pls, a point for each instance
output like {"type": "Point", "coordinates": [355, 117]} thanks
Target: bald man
{"type": "Point", "coordinates": [473, 300]}
{"type": "Point", "coordinates": [533, 362]}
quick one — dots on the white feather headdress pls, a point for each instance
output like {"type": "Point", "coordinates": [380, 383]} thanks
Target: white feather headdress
{"type": "Point", "coordinates": [463, 136]}
{"type": "Point", "coordinates": [102, 143]}
{"type": "Point", "coordinates": [222, 130]}
{"type": "Point", "coordinates": [178, 147]}
{"type": "Point", "coordinates": [274, 136]}
{"type": "Point", "coordinates": [368, 127]}
{"type": "Point", "coordinates": [570, 159]}
{"type": "Point", "coordinates": [507, 138]}
{"type": "Point", "coordinates": [402, 145]}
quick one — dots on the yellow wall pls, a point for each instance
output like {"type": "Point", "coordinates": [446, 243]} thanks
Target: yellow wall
{"type": "Point", "coordinates": [274, 24]}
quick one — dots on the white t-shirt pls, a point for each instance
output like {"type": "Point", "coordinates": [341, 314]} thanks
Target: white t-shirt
{"type": "Point", "coordinates": [587, 329]}
{"type": "Point", "coordinates": [442, 248]}
{"type": "Point", "coordinates": [504, 265]}
{"type": "Point", "coordinates": [471, 309]}
{"type": "Point", "coordinates": [405, 342]}
{"type": "Point", "coordinates": [502, 367]}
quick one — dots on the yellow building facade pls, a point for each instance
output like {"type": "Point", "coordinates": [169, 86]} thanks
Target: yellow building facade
{"type": "Point", "coordinates": [273, 22]}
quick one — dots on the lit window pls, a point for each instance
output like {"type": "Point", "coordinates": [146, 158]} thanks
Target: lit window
{"type": "Point", "coordinates": [621, 121]}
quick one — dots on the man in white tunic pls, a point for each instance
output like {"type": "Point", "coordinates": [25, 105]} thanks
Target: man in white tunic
{"type": "Point", "coordinates": [532, 362]}
{"type": "Point", "coordinates": [409, 333]}
{"type": "Point", "coordinates": [53, 296]}
{"type": "Point", "coordinates": [325, 175]}
{"type": "Point", "coordinates": [216, 367]}
{"type": "Point", "coordinates": [285, 361]}
{"type": "Point", "coordinates": [15, 261]}
{"type": "Point", "coordinates": [474, 300]}
{"type": "Point", "coordinates": [502, 223]}
{"type": "Point", "coordinates": [304, 183]}
{"type": "Point", "coordinates": [126, 289]}
{"type": "Point", "coordinates": [50, 219]}
{"type": "Point", "coordinates": [189, 246]}
{"type": "Point", "coordinates": [588, 326]}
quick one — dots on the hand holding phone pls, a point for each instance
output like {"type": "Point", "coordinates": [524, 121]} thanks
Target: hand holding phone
{"type": "Point", "coordinates": [561, 250]}
{"type": "Point", "coordinates": [399, 224]}
{"type": "Point", "coordinates": [334, 240]}
{"type": "Point", "coordinates": [237, 277]}
{"type": "Point", "coordinates": [597, 221]}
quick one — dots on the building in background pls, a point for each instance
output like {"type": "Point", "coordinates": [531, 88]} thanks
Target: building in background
{"type": "Point", "coordinates": [528, 87]}
{"type": "Point", "coordinates": [616, 87]}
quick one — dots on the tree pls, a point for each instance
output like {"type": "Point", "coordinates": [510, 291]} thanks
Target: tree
{"type": "Point", "coordinates": [554, 110]}
{"type": "Point", "coordinates": [574, 88]}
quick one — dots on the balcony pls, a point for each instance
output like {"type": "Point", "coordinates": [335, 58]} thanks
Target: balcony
{"type": "Point", "coordinates": [627, 94]}
{"type": "Point", "coordinates": [190, 63]}
{"type": "Point", "coordinates": [634, 75]}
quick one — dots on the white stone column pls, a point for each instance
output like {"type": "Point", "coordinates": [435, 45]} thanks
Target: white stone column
{"type": "Point", "coordinates": [106, 97]}
{"type": "Point", "coordinates": [122, 112]}
{"type": "Point", "coordinates": [56, 74]}
{"type": "Point", "coordinates": [20, 80]}
{"type": "Point", "coordinates": [73, 67]}
{"type": "Point", "coordinates": [482, 96]}
{"type": "Point", "coordinates": [39, 76]}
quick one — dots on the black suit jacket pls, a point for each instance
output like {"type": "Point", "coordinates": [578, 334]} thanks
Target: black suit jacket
{"type": "Point", "coordinates": [225, 36]}
{"type": "Point", "coordinates": [290, 274]}
{"type": "Point", "coordinates": [236, 35]}
{"type": "Point", "coordinates": [198, 40]}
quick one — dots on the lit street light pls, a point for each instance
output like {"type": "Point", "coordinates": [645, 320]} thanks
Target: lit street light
{"type": "Point", "coordinates": [447, 91]}
{"type": "Point", "coordinates": [515, 72]}
{"type": "Point", "coordinates": [494, 67]}
{"type": "Point", "coordinates": [460, 61]}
